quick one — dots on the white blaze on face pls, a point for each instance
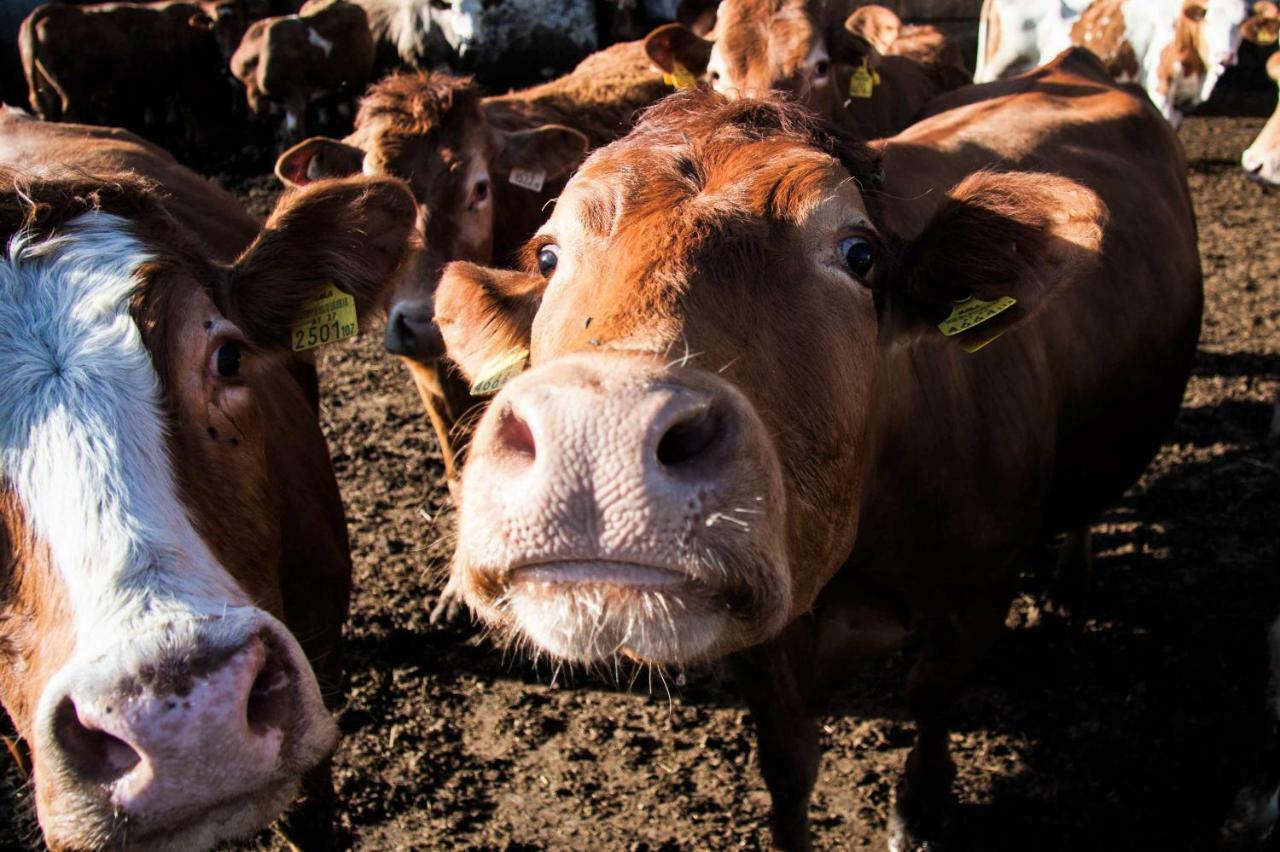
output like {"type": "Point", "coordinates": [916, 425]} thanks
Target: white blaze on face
{"type": "Point", "coordinates": [319, 41]}
{"type": "Point", "coordinates": [82, 437]}
{"type": "Point", "coordinates": [1220, 39]}
{"type": "Point", "coordinates": [460, 23]}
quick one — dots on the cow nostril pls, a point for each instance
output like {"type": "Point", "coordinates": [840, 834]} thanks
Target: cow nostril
{"type": "Point", "coordinates": [269, 703]}
{"type": "Point", "coordinates": [399, 335]}
{"type": "Point", "coordinates": [516, 437]}
{"type": "Point", "coordinates": [92, 754]}
{"type": "Point", "coordinates": [689, 440]}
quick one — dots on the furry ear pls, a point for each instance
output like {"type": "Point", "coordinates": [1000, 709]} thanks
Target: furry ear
{"type": "Point", "coordinates": [675, 43]}
{"type": "Point", "coordinates": [1263, 24]}
{"type": "Point", "coordinates": [698, 15]}
{"type": "Point", "coordinates": [1016, 234]}
{"type": "Point", "coordinates": [316, 158]}
{"type": "Point", "coordinates": [353, 233]}
{"type": "Point", "coordinates": [876, 25]}
{"type": "Point", "coordinates": [485, 314]}
{"type": "Point", "coordinates": [552, 150]}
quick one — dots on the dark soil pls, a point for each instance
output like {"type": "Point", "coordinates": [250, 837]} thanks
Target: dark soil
{"type": "Point", "coordinates": [1129, 730]}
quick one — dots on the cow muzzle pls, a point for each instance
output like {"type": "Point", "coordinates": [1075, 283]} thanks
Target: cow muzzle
{"type": "Point", "coordinates": [196, 731]}
{"type": "Point", "coordinates": [612, 505]}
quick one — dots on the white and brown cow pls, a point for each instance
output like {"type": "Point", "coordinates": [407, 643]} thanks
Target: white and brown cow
{"type": "Point", "coordinates": [1175, 49]}
{"type": "Point", "coordinates": [174, 568]}
{"type": "Point", "coordinates": [743, 431]}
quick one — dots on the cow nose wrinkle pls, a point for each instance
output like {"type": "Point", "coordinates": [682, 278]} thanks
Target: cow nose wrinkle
{"type": "Point", "coordinates": [691, 439]}
{"type": "Point", "coordinates": [92, 754]}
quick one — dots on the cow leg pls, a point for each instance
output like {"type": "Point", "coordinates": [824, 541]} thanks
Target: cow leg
{"type": "Point", "coordinates": [1256, 809]}
{"type": "Point", "coordinates": [1072, 584]}
{"type": "Point", "coordinates": [777, 680]}
{"type": "Point", "coordinates": [923, 806]}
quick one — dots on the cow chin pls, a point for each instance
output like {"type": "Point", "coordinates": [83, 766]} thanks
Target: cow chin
{"type": "Point", "coordinates": [593, 610]}
{"type": "Point", "coordinates": [236, 819]}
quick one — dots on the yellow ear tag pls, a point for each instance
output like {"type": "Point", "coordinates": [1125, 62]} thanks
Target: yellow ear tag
{"type": "Point", "coordinates": [1267, 35]}
{"type": "Point", "coordinates": [970, 313]}
{"type": "Point", "coordinates": [499, 371]}
{"type": "Point", "coordinates": [680, 77]}
{"type": "Point", "coordinates": [328, 318]}
{"type": "Point", "coordinates": [864, 81]}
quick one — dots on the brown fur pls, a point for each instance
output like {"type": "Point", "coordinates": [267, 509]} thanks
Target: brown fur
{"type": "Point", "coordinates": [1107, 40]}
{"type": "Point", "coordinates": [918, 476]}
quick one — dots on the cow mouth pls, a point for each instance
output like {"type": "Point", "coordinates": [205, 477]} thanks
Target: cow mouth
{"type": "Point", "coordinates": [624, 576]}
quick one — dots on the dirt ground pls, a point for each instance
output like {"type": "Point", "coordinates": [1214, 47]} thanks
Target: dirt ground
{"type": "Point", "coordinates": [1129, 731]}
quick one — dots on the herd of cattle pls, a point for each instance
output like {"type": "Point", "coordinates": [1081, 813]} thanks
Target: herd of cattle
{"type": "Point", "coordinates": [776, 379]}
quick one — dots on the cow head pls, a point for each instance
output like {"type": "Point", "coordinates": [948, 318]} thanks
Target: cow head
{"type": "Point", "coordinates": [244, 63]}
{"type": "Point", "coordinates": [227, 20]}
{"type": "Point", "coordinates": [760, 46]}
{"type": "Point", "coordinates": [431, 131]}
{"type": "Point", "coordinates": [1206, 38]}
{"type": "Point", "coordinates": [163, 483]}
{"type": "Point", "coordinates": [459, 23]}
{"type": "Point", "coordinates": [1261, 160]}
{"type": "Point", "coordinates": [679, 472]}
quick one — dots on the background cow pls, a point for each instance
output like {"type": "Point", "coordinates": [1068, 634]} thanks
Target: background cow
{"type": "Point", "coordinates": [292, 60]}
{"type": "Point", "coordinates": [169, 520]}
{"type": "Point", "coordinates": [746, 432]}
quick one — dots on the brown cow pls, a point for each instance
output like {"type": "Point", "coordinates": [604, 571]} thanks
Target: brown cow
{"type": "Point", "coordinates": [169, 519]}
{"type": "Point", "coordinates": [483, 171]}
{"type": "Point", "coordinates": [835, 67]}
{"type": "Point", "coordinates": [742, 432]}
{"type": "Point", "coordinates": [72, 57]}
{"type": "Point", "coordinates": [293, 59]}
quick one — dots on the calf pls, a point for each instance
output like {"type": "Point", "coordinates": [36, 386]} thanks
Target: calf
{"type": "Point", "coordinates": [483, 171]}
{"type": "Point", "coordinates": [1261, 160]}
{"type": "Point", "coordinates": [169, 520]}
{"type": "Point", "coordinates": [799, 401]}
{"type": "Point", "coordinates": [835, 67]}
{"type": "Point", "coordinates": [72, 58]}
{"type": "Point", "coordinates": [293, 59]}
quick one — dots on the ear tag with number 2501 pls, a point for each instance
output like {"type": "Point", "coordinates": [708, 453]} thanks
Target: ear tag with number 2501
{"type": "Point", "coordinates": [328, 318]}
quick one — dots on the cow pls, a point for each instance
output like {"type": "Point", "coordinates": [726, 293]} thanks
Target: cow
{"type": "Point", "coordinates": [834, 66]}
{"type": "Point", "coordinates": [1261, 160]}
{"type": "Point", "coordinates": [294, 59]}
{"type": "Point", "coordinates": [71, 58]}
{"type": "Point", "coordinates": [799, 401]}
{"type": "Point", "coordinates": [421, 34]}
{"type": "Point", "coordinates": [174, 566]}
{"type": "Point", "coordinates": [1015, 36]}
{"type": "Point", "coordinates": [483, 171]}
{"type": "Point", "coordinates": [1175, 49]}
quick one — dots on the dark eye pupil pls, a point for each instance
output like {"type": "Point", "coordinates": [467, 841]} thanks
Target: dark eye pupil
{"type": "Point", "coordinates": [822, 69]}
{"type": "Point", "coordinates": [482, 190]}
{"type": "Point", "coordinates": [547, 259]}
{"type": "Point", "coordinates": [857, 256]}
{"type": "Point", "coordinates": [229, 360]}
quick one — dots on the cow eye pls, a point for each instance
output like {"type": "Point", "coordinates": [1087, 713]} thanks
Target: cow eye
{"type": "Point", "coordinates": [226, 361]}
{"type": "Point", "coordinates": [715, 77]}
{"type": "Point", "coordinates": [822, 68]}
{"type": "Point", "coordinates": [548, 257]}
{"type": "Point", "coordinates": [858, 255]}
{"type": "Point", "coordinates": [481, 190]}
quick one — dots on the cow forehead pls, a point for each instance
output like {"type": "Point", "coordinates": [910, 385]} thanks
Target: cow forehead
{"type": "Point", "coordinates": [83, 443]}
{"type": "Point", "coordinates": [768, 36]}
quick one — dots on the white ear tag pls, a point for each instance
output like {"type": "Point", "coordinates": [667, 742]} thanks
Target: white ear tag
{"type": "Point", "coordinates": [529, 180]}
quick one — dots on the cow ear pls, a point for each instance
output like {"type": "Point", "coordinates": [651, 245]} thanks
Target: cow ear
{"type": "Point", "coordinates": [675, 43]}
{"type": "Point", "coordinates": [354, 234]}
{"type": "Point", "coordinates": [551, 150]}
{"type": "Point", "coordinates": [1012, 234]}
{"type": "Point", "coordinates": [866, 23]}
{"type": "Point", "coordinates": [318, 158]}
{"type": "Point", "coordinates": [486, 315]}
{"type": "Point", "coordinates": [848, 44]}
{"type": "Point", "coordinates": [698, 15]}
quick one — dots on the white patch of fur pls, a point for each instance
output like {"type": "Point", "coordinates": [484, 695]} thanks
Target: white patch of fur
{"type": "Point", "coordinates": [319, 41]}
{"type": "Point", "coordinates": [82, 435]}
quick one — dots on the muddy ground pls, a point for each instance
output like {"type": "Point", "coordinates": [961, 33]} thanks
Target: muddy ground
{"type": "Point", "coordinates": [1129, 731]}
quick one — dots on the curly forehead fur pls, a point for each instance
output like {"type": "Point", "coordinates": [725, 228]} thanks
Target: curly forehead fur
{"type": "Point", "coordinates": [416, 103]}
